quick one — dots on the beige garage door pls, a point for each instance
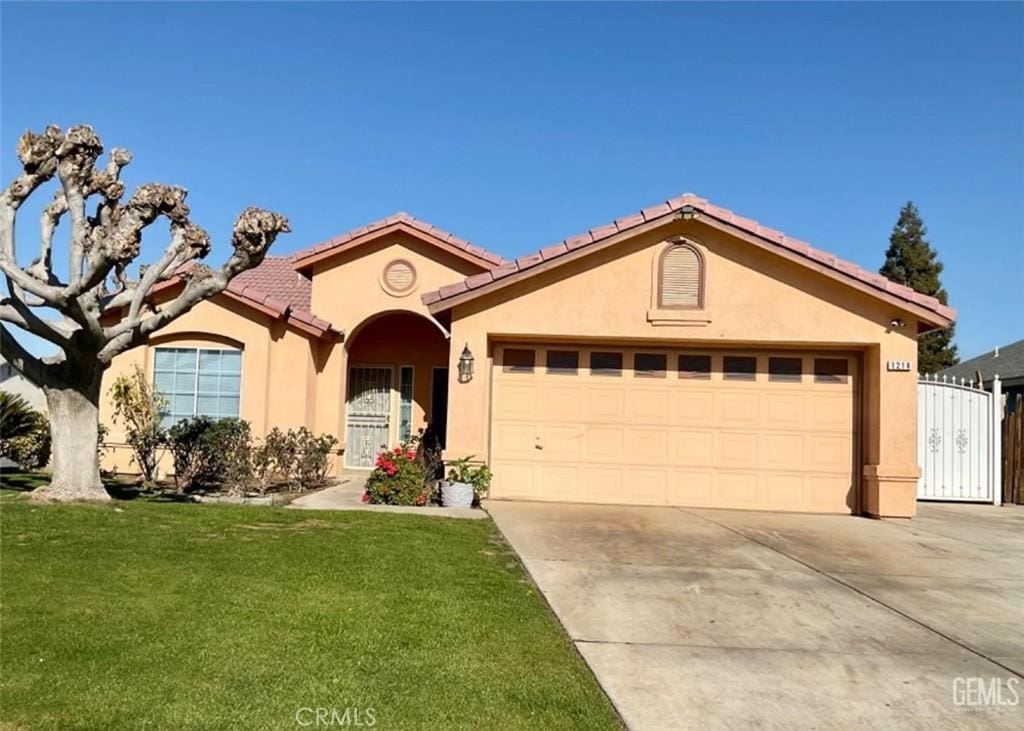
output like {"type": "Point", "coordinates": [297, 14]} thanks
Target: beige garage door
{"type": "Point", "coordinates": [729, 429]}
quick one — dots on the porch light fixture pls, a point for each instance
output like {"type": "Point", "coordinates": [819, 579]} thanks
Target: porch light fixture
{"type": "Point", "coordinates": [466, 365]}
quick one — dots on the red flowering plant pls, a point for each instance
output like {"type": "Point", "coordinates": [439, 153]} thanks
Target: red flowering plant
{"type": "Point", "coordinates": [397, 478]}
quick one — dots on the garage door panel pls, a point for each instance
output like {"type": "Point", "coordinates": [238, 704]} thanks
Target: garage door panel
{"type": "Point", "coordinates": [736, 408]}
{"type": "Point", "coordinates": [831, 493]}
{"type": "Point", "coordinates": [514, 440]}
{"type": "Point", "coordinates": [602, 484]}
{"type": "Point", "coordinates": [737, 489]}
{"type": "Point", "coordinates": [693, 447]}
{"type": "Point", "coordinates": [559, 481]}
{"type": "Point", "coordinates": [703, 442]}
{"type": "Point", "coordinates": [649, 405]}
{"type": "Point", "coordinates": [736, 449]}
{"type": "Point", "coordinates": [561, 403]}
{"type": "Point", "coordinates": [783, 410]}
{"type": "Point", "coordinates": [648, 444]}
{"type": "Point", "coordinates": [513, 480]}
{"type": "Point", "coordinates": [648, 486]}
{"type": "Point", "coordinates": [830, 453]}
{"type": "Point", "coordinates": [692, 407]}
{"type": "Point", "coordinates": [831, 412]}
{"type": "Point", "coordinates": [560, 441]}
{"type": "Point", "coordinates": [518, 401]}
{"type": "Point", "coordinates": [691, 487]}
{"type": "Point", "coordinates": [604, 403]}
{"type": "Point", "coordinates": [605, 443]}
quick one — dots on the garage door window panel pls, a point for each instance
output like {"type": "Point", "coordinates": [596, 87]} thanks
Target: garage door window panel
{"type": "Point", "coordinates": [695, 366]}
{"type": "Point", "coordinates": [605, 363]}
{"type": "Point", "coordinates": [831, 370]}
{"type": "Point", "coordinates": [785, 370]}
{"type": "Point", "coordinates": [563, 362]}
{"type": "Point", "coordinates": [650, 365]}
{"type": "Point", "coordinates": [518, 360]}
{"type": "Point", "coordinates": [739, 368]}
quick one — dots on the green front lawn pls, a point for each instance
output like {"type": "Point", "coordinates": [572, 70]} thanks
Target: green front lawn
{"type": "Point", "coordinates": [177, 616]}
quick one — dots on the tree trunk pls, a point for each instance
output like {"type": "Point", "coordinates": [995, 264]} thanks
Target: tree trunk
{"type": "Point", "coordinates": [74, 429]}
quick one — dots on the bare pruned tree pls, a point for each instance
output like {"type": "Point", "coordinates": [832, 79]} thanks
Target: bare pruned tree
{"type": "Point", "coordinates": [102, 311]}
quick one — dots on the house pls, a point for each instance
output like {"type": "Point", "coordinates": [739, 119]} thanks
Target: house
{"type": "Point", "coordinates": [13, 382]}
{"type": "Point", "coordinates": [681, 355]}
{"type": "Point", "coordinates": [1006, 361]}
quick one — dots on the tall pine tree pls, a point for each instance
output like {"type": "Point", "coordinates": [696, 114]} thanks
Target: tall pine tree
{"type": "Point", "coordinates": [911, 260]}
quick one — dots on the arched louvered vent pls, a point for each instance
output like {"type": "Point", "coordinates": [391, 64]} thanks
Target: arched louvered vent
{"type": "Point", "coordinates": [680, 279]}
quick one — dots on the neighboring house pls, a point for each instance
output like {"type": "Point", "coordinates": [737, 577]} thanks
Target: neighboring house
{"type": "Point", "coordinates": [13, 382]}
{"type": "Point", "coordinates": [681, 355]}
{"type": "Point", "coordinates": [1007, 362]}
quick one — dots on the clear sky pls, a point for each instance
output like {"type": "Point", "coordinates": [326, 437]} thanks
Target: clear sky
{"type": "Point", "coordinates": [516, 125]}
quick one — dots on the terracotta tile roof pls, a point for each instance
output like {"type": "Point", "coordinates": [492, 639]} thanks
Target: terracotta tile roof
{"type": "Point", "coordinates": [275, 289]}
{"type": "Point", "coordinates": [276, 276]}
{"type": "Point", "coordinates": [485, 258]}
{"type": "Point", "coordinates": [694, 203]}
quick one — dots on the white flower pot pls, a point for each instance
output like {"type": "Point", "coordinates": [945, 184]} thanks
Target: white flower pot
{"type": "Point", "coordinates": [456, 494]}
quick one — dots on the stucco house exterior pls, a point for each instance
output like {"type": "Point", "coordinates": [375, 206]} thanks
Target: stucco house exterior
{"type": "Point", "coordinates": [681, 355]}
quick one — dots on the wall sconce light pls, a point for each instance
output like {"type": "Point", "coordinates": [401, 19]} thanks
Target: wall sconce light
{"type": "Point", "coordinates": [466, 365]}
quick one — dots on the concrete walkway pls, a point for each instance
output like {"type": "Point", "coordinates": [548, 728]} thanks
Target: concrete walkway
{"type": "Point", "coordinates": [348, 493]}
{"type": "Point", "coordinates": [704, 619]}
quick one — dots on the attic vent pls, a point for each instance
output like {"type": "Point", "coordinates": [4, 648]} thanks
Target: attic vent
{"type": "Point", "coordinates": [399, 276]}
{"type": "Point", "coordinates": [681, 275]}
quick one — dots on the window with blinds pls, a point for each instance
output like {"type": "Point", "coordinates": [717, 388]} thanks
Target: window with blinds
{"type": "Point", "coordinates": [681, 277]}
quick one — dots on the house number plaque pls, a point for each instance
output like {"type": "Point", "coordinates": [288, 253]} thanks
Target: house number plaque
{"type": "Point", "coordinates": [898, 365]}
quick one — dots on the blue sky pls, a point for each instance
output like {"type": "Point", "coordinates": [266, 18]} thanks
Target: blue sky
{"type": "Point", "coordinates": [517, 125]}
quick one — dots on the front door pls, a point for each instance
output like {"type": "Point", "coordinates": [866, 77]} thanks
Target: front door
{"type": "Point", "coordinates": [439, 404]}
{"type": "Point", "coordinates": [369, 415]}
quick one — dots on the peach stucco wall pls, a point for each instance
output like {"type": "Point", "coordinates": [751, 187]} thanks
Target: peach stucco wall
{"type": "Point", "coordinates": [752, 299]}
{"type": "Point", "coordinates": [278, 375]}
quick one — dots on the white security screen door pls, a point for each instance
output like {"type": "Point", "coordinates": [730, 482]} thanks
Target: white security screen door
{"type": "Point", "coordinates": [369, 415]}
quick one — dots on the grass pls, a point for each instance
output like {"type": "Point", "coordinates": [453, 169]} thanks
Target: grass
{"type": "Point", "coordinates": [156, 615]}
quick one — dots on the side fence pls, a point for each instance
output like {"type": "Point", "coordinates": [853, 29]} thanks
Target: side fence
{"type": "Point", "coordinates": [1013, 452]}
{"type": "Point", "coordinates": [959, 440]}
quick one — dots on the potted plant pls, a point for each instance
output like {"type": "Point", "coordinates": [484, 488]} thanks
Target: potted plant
{"type": "Point", "coordinates": [465, 484]}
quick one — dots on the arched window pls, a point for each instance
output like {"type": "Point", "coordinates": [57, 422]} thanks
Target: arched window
{"type": "Point", "coordinates": [681, 277]}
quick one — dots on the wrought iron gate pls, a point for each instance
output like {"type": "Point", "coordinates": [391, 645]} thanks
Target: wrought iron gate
{"type": "Point", "coordinates": [368, 423]}
{"type": "Point", "coordinates": [958, 441]}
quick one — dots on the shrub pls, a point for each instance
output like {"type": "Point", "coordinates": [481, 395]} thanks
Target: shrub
{"type": "Point", "coordinates": [312, 457]}
{"type": "Point", "coordinates": [139, 407]}
{"type": "Point", "coordinates": [397, 479]}
{"type": "Point", "coordinates": [16, 416]}
{"type": "Point", "coordinates": [211, 453]}
{"type": "Point", "coordinates": [30, 450]}
{"type": "Point", "coordinates": [297, 458]}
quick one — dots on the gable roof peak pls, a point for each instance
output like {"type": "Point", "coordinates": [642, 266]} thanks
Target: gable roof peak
{"type": "Point", "coordinates": [422, 229]}
{"type": "Point", "coordinates": [689, 203]}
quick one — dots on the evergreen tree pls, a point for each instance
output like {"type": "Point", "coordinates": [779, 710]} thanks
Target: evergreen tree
{"type": "Point", "coordinates": [911, 261]}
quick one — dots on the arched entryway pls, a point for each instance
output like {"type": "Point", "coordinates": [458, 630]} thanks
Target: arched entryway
{"type": "Point", "coordinates": [397, 383]}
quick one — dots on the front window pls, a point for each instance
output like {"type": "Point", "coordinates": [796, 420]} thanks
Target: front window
{"type": "Point", "coordinates": [405, 381]}
{"type": "Point", "coordinates": [198, 382]}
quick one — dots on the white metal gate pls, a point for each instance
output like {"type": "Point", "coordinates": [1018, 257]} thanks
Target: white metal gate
{"type": "Point", "coordinates": [369, 415]}
{"type": "Point", "coordinates": [958, 441]}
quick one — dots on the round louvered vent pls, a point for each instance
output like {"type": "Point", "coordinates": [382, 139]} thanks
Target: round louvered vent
{"type": "Point", "coordinates": [399, 276]}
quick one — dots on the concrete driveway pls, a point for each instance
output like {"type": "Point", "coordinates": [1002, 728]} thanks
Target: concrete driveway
{"type": "Point", "coordinates": [728, 619]}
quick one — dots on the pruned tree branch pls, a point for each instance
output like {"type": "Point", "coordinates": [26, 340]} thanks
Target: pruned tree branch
{"type": "Point", "coordinates": [103, 245]}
